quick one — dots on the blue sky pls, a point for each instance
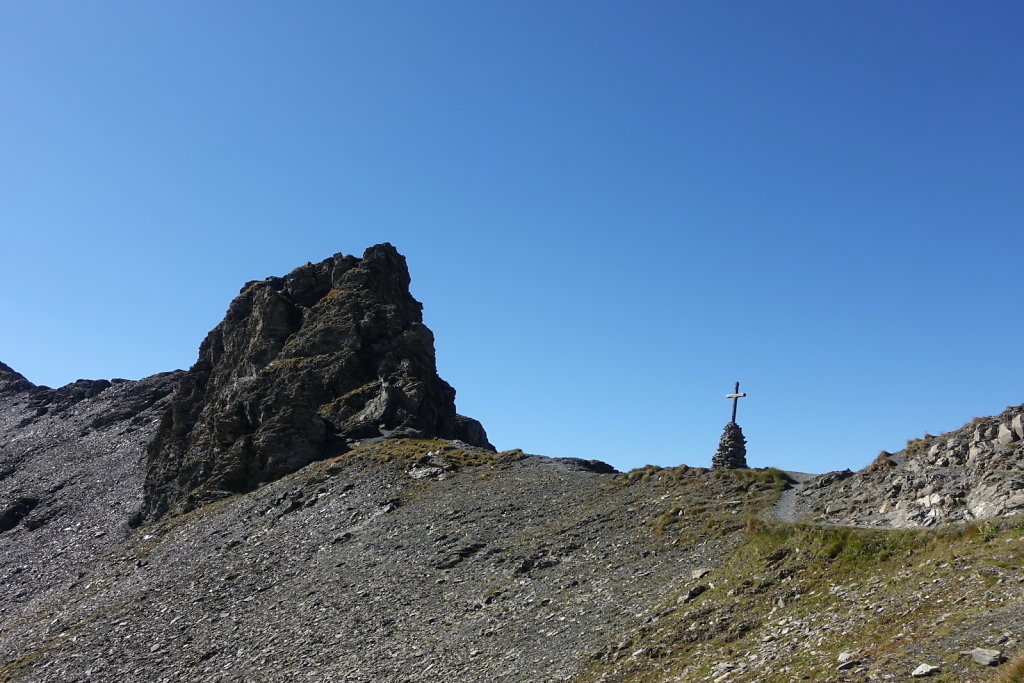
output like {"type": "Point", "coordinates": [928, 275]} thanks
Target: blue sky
{"type": "Point", "coordinates": [611, 210]}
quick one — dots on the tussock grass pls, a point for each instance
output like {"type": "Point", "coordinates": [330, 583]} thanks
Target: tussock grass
{"type": "Point", "coordinates": [882, 463]}
{"type": "Point", "coordinates": [409, 452]}
{"type": "Point", "coordinates": [1013, 672]}
{"type": "Point", "coordinates": [707, 504]}
{"type": "Point", "coordinates": [774, 478]}
{"type": "Point", "coordinates": [918, 446]}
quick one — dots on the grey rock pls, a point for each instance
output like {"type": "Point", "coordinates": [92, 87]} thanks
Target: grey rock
{"type": "Point", "coordinates": [972, 473]}
{"type": "Point", "coordinates": [301, 367]}
{"type": "Point", "coordinates": [986, 657]}
{"type": "Point", "coordinates": [732, 449]}
{"type": "Point", "coordinates": [693, 593]}
{"type": "Point", "coordinates": [424, 472]}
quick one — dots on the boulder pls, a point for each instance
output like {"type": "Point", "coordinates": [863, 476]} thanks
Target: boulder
{"type": "Point", "coordinates": [986, 657]}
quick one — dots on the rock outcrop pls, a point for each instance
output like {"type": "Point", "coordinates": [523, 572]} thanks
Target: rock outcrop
{"type": "Point", "coordinates": [974, 472]}
{"type": "Point", "coordinates": [732, 449]}
{"type": "Point", "coordinates": [301, 367]}
{"type": "Point", "coordinates": [12, 382]}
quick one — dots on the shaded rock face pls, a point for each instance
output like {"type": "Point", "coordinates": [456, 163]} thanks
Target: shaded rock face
{"type": "Point", "coordinates": [300, 367]}
{"type": "Point", "coordinates": [12, 382]}
{"type": "Point", "coordinates": [974, 472]}
{"type": "Point", "coordinates": [732, 449]}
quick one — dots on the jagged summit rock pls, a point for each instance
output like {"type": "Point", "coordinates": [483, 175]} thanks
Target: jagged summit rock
{"type": "Point", "coordinates": [302, 366]}
{"type": "Point", "coordinates": [12, 382]}
{"type": "Point", "coordinates": [732, 449]}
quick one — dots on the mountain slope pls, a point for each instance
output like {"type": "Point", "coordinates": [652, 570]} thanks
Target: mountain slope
{"type": "Point", "coordinates": [305, 503]}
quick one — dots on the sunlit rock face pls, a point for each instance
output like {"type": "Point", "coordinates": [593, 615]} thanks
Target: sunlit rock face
{"type": "Point", "coordinates": [974, 472]}
{"type": "Point", "coordinates": [301, 367]}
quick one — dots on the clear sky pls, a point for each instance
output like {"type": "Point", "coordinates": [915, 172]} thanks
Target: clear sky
{"type": "Point", "coordinates": [611, 210]}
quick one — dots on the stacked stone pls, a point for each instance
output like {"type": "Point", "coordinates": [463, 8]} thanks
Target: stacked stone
{"type": "Point", "coordinates": [732, 449]}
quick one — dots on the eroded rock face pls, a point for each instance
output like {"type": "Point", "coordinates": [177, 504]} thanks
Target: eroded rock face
{"type": "Point", "coordinates": [302, 366]}
{"type": "Point", "coordinates": [974, 472]}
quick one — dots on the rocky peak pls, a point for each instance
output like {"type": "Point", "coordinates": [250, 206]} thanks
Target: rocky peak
{"type": "Point", "coordinates": [13, 382]}
{"type": "Point", "coordinates": [301, 367]}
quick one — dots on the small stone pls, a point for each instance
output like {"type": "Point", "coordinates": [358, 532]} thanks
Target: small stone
{"type": "Point", "coordinates": [845, 657]}
{"type": "Point", "coordinates": [699, 573]}
{"type": "Point", "coordinates": [924, 670]}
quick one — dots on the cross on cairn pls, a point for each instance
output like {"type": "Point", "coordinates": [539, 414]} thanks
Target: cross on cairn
{"type": "Point", "coordinates": [735, 396]}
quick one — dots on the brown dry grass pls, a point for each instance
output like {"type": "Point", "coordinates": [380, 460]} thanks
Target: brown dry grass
{"type": "Point", "coordinates": [1014, 671]}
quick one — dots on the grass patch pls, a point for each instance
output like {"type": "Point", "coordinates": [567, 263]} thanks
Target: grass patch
{"type": "Point", "coordinates": [410, 452]}
{"type": "Point", "coordinates": [706, 504]}
{"type": "Point", "coordinates": [917, 447]}
{"type": "Point", "coordinates": [769, 477]}
{"type": "Point", "coordinates": [880, 593]}
{"type": "Point", "coordinates": [882, 463]}
{"type": "Point", "coordinates": [1013, 672]}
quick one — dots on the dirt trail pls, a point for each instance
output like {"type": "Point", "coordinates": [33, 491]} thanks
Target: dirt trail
{"type": "Point", "coordinates": [785, 506]}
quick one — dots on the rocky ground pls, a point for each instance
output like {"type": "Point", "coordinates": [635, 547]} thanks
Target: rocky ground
{"type": "Point", "coordinates": [838, 604]}
{"type": "Point", "coordinates": [405, 560]}
{"type": "Point", "coordinates": [975, 472]}
{"type": "Point", "coordinates": [430, 560]}
{"type": "Point", "coordinates": [72, 463]}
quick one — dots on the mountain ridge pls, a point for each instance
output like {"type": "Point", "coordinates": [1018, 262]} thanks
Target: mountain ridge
{"type": "Point", "coordinates": [305, 502]}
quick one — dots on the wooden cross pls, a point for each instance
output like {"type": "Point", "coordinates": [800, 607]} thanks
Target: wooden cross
{"type": "Point", "coordinates": [735, 396]}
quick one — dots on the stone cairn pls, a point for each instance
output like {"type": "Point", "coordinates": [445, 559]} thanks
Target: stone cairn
{"type": "Point", "coordinates": [732, 449]}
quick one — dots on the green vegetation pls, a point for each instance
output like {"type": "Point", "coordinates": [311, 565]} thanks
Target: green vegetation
{"type": "Point", "coordinates": [881, 593]}
{"type": "Point", "coordinates": [295, 363]}
{"type": "Point", "coordinates": [645, 473]}
{"type": "Point", "coordinates": [409, 452]}
{"type": "Point", "coordinates": [706, 504]}
{"type": "Point", "coordinates": [918, 446]}
{"type": "Point", "coordinates": [776, 479]}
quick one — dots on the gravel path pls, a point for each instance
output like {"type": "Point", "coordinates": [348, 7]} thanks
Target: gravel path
{"type": "Point", "coordinates": [785, 506]}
